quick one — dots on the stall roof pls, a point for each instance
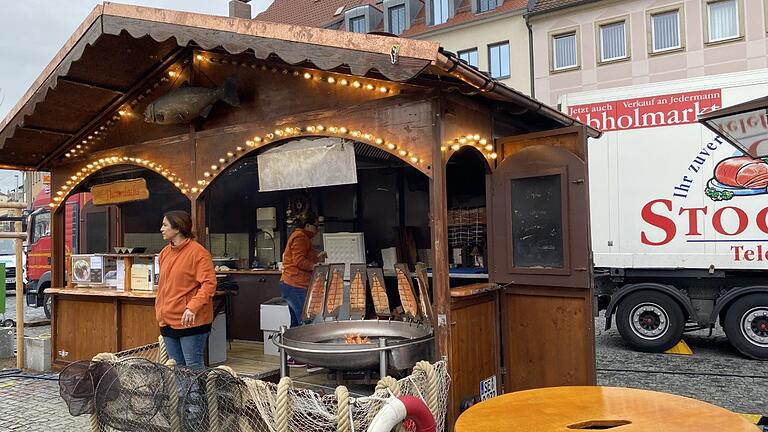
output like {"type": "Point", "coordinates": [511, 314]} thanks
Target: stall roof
{"type": "Point", "coordinates": [118, 47]}
{"type": "Point", "coordinates": [744, 125]}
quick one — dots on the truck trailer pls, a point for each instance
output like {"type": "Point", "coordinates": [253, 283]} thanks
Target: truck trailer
{"type": "Point", "coordinates": [679, 216]}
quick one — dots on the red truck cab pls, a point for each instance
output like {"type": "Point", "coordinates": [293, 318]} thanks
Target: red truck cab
{"type": "Point", "coordinates": [39, 245]}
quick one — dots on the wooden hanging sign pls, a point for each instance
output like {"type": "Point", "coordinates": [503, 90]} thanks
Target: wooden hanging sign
{"type": "Point", "coordinates": [121, 191]}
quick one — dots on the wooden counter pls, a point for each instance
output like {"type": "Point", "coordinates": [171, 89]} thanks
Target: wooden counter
{"type": "Point", "coordinates": [254, 288]}
{"type": "Point", "coordinates": [88, 321]}
{"type": "Point", "coordinates": [475, 351]}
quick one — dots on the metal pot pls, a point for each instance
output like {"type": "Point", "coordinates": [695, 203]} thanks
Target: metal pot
{"type": "Point", "coordinates": [322, 344]}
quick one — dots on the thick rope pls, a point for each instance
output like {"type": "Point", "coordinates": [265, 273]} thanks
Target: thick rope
{"type": "Point", "coordinates": [342, 409]}
{"type": "Point", "coordinates": [94, 419]}
{"type": "Point", "coordinates": [391, 384]}
{"type": "Point", "coordinates": [162, 354]}
{"type": "Point", "coordinates": [429, 370]}
{"type": "Point", "coordinates": [214, 425]}
{"type": "Point", "coordinates": [283, 404]}
{"type": "Point", "coordinates": [173, 396]}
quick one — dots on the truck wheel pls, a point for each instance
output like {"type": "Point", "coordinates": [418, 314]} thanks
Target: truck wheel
{"type": "Point", "coordinates": [47, 305]}
{"type": "Point", "coordinates": [746, 325]}
{"type": "Point", "coordinates": [650, 321]}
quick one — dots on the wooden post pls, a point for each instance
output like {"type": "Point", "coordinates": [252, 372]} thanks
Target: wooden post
{"type": "Point", "coordinates": [441, 286]}
{"type": "Point", "coordinates": [19, 298]}
{"type": "Point", "coordinates": [18, 236]}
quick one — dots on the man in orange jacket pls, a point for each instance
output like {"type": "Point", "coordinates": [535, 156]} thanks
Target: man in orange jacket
{"type": "Point", "coordinates": [299, 261]}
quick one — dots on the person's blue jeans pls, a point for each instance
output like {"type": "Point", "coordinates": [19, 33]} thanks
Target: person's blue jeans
{"type": "Point", "coordinates": [295, 298]}
{"type": "Point", "coordinates": [187, 351]}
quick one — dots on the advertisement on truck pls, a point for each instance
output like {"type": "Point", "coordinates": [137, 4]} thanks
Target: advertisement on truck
{"type": "Point", "coordinates": [679, 216]}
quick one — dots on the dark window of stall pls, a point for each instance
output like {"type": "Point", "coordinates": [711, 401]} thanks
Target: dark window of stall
{"type": "Point", "coordinates": [537, 222]}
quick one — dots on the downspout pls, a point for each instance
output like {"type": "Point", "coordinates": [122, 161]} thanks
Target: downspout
{"type": "Point", "coordinates": [531, 4]}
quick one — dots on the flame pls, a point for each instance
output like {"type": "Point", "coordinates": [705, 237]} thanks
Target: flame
{"type": "Point", "coordinates": [355, 339]}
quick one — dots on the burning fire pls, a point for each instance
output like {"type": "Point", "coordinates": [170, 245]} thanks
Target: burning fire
{"type": "Point", "coordinates": [355, 339]}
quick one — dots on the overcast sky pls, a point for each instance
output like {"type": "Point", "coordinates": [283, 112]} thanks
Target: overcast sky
{"type": "Point", "coordinates": [33, 31]}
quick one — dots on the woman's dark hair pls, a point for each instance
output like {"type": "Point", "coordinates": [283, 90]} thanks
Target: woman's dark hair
{"type": "Point", "coordinates": [306, 218]}
{"type": "Point", "coordinates": [181, 221]}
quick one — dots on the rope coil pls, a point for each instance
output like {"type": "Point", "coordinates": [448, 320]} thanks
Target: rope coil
{"type": "Point", "coordinates": [283, 404]}
{"type": "Point", "coordinates": [429, 371]}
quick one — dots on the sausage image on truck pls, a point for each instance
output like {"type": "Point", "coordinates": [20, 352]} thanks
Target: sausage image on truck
{"type": "Point", "coordinates": [679, 216]}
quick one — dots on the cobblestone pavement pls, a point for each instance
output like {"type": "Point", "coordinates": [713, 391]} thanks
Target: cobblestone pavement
{"type": "Point", "coordinates": [715, 374]}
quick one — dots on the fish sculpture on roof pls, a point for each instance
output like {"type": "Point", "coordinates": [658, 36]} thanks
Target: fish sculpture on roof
{"type": "Point", "coordinates": [184, 104]}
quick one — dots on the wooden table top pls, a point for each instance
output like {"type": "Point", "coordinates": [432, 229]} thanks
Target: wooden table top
{"type": "Point", "coordinates": [569, 409]}
{"type": "Point", "coordinates": [107, 292]}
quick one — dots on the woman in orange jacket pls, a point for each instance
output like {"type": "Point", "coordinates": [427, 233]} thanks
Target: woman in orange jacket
{"type": "Point", "coordinates": [184, 306]}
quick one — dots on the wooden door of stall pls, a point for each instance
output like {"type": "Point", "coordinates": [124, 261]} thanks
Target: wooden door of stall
{"type": "Point", "coordinates": [539, 241]}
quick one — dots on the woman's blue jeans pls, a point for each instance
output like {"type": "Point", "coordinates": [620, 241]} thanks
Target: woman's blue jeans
{"type": "Point", "coordinates": [188, 350]}
{"type": "Point", "coordinates": [295, 298]}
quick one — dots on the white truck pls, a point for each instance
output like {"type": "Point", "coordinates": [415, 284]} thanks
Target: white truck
{"type": "Point", "coordinates": [679, 217]}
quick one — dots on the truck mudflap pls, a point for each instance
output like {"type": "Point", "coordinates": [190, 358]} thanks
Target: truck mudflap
{"type": "Point", "coordinates": [732, 295]}
{"type": "Point", "coordinates": [673, 292]}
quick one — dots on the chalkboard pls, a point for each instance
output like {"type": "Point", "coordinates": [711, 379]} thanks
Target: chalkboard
{"type": "Point", "coordinates": [537, 222]}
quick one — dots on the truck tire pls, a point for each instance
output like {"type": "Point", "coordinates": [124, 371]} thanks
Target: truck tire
{"type": "Point", "coordinates": [650, 321]}
{"type": "Point", "coordinates": [47, 305]}
{"type": "Point", "coordinates": [746, 325]}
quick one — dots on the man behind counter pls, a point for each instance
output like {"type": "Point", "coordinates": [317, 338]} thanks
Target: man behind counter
{"type": "Point", "coordinates": [299, 261]}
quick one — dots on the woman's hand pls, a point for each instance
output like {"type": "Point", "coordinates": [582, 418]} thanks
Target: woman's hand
{"type": "Point", "coordinates": [187, 318]}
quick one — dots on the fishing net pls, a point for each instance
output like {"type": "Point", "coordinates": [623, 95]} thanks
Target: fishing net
{"type": "Point", "coordinates": [141, 391]}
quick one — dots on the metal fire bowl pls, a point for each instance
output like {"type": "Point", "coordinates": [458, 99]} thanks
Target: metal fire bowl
{"type": "Point", "coordinates": [322, 344]}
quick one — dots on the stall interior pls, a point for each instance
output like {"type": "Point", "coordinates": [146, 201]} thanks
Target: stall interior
{"type": "Point", "coordinates": [466, 172]}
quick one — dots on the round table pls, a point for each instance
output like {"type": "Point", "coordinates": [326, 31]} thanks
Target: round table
{"type": "Point", "coordinates": [570, 409]}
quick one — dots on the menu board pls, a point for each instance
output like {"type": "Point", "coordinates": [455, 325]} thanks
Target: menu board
{"type": "Point", "coordinates": [537, 222]}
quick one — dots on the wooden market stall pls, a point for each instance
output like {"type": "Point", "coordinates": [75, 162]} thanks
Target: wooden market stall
{"type": "Point", "coordinates": [406, 106]}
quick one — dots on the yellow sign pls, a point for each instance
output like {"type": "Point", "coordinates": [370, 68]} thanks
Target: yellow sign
{"type": "Point", "coordinates": [120, 192]}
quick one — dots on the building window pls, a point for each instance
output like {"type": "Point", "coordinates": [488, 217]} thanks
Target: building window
{"type": "Point", "coordinates": [396, 19]}
{"type": "Point", "coordinates": [665, 31]}
{"type": "Point", "coordinates": [357, 24]}
{"type": "Point", "coordinates": [723, 20]}
{"type": "Point", "coordinates": [498, 60]}
{"type": "Point", "coordinates": [440, 11]}
{"type": "Point", "coordinates": [469, 56]}
{"type": "Point", "coordinates": [564, 51]}
{"type": "Point", "coordinates": [486, 5]}
{"type": "Point", "coordinates": [613, 41]}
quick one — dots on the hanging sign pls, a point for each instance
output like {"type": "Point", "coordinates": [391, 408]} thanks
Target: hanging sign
{"type": "Point", "coordinates": [120, 192]}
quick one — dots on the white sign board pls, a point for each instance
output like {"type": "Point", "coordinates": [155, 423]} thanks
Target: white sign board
{"type": "Point", "coordinates": [306, 164]}
{"type": "Point", "coordinates": [488, 388]}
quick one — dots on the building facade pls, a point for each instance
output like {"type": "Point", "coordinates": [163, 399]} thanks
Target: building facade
{"type": "Point", "coordinates": [580, 46]}
{"type": "Point", "coordinates": [490, 35]}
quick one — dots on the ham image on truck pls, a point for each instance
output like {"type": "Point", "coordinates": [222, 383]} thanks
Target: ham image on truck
{"type": "Point", "coordinates": [679, 215]}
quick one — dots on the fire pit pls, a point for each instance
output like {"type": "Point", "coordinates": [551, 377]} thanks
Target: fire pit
{"type": "Point", "coordinates": [391, 343]}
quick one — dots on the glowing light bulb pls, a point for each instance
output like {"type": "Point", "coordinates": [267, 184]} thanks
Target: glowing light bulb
{"type": "Point", "coordinates": [207, 174]}
{"type": "Point", "coordinates": [307, 75]}
{"type": "Point", "coordinates": [343, 130]}
{"type": "Point", "coordinates": [383, 90]}
{"type": "Point", "coordinates": [230, 154]}
{"type": "Point", "coordinates": [356, 84]}
{"type": "Point", "coordinates": [403, 152]}
{"type": "Point", "coordinates": [489, 147]}
{"type": "Point", "coordinates": [455, 147]}
{"type": "Point", "coordinates": [214, 167]}
{"type": "Point", "coordinates": [344, 82]}
{"type": "Point", "coordinates": [331, 80]}
{"type": "Point", "coordinates": [172, 74]}
{"type": "Point", "coordinates": [494, 155]}
{"type": "Point", "coordinates": [391, 146]}
{"type": "Point", "coordinates": [369, 86]}
{"type": "Point", "coordinates": [222, 161]}
{"type": "Point", "coordinates": [199, 57]}
{"type": "Point", "coordinates": [483, 141]}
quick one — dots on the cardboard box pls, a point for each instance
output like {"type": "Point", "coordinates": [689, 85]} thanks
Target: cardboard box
{"type": "Point", "coordinates": [275, 313]}
{"type": "Point", "coordinates": [269, 347]}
